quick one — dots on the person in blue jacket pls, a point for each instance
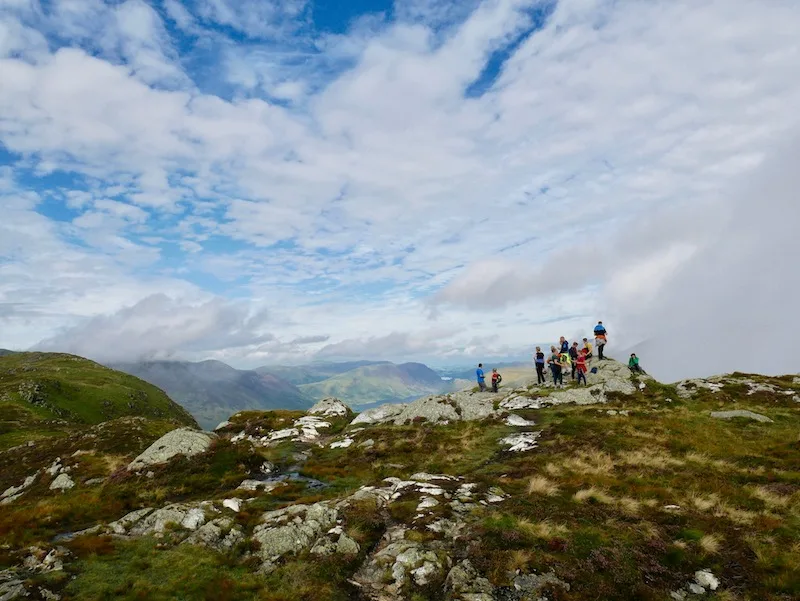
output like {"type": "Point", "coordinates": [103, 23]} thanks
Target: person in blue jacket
{"type": "Point", "coordinates": [600, 339]}
{"type": "Point", "coordinates": [481, 377]}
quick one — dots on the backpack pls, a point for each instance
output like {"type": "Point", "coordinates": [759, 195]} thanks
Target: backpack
{"type": "Point", "coordinates": [499, 378]}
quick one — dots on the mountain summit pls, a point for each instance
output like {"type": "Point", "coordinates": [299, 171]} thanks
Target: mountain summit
{"type": "Point", "coordinates": [623, 489]}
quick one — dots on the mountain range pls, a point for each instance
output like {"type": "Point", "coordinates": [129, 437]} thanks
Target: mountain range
{"type": "Point", "coordinates": [212, 390]}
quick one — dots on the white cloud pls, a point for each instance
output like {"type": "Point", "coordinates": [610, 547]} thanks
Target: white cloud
{"type": "Point", "coordinates": [586, 168]}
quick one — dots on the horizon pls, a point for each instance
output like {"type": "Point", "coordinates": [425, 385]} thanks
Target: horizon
{"type": "Point", "coordinates": [277, 183]}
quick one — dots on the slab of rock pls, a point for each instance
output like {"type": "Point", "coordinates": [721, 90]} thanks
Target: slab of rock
{"type": "Point", "coordinates": [183, 441]}
{"type": "Point", "coordinates": [741, 413]}
{"type": "Point", "coordinates": [144, 522]}
{"type": "Point", "coordinates": [292, 529]}
{"type": "Point", "coordinates": [220, 534]}
{"type": "Point", "coordinates": [62, 482]}
{"type": "Point", "coordinates": [378, 415]}
{"type": "Point", "coordinates": [330, 407]}
{"type": "Point", "coordinates": [15, 492]}
{"type": "Point", "coordinates": [524, 441]}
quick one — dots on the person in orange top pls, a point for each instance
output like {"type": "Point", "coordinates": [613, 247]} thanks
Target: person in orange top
{"type": "Point", "coordinates": [580, 367]}
{"type": "Point", "coordinates": [496, 379]}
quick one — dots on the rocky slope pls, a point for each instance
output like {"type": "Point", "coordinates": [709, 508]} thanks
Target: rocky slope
{"type": "Point", "coordinates": [625, 489]}
{"type": "Point", "coordinates": [212, 390]}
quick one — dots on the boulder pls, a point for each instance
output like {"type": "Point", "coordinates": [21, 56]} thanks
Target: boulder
{"type": "Point", "coordinates": [330, 407]}
{"type": "Point", "coordinates": [183, 441]}
{"type": "Point", "coordinates": [463, 583]}
{"type": "Point", "coordinates": [292, 529]}
{"type": "Point", "coordinates": [220, 534]}
{"type": "Point", "coordinates": [741, 413]}
{"type": "Point", "coordinates": [145, 522]}
{"type": "Point", "coordinates": [62, 482]}
{"type": "Point", "coordinates": [378, 415]}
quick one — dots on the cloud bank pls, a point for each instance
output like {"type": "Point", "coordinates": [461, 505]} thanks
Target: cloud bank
{"type": "Point", "coordinates": [431, 179]}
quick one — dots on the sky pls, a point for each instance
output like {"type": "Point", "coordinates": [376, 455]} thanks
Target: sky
{"type": "Point", "coordinates": [264, 181]}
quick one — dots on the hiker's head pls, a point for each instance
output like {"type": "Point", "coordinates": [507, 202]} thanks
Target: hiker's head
{"type": "Point", "coordinates": [480, 364]}
{"type": "Point", "coordinates": [599, 323]}
{"type": "Point", "coordinates": [633, 354]}
{"type": "Point", "coordinates": [494, 370]}
{"type": "Point", "coordinates": [574, 344]}
{"type": "Point", "coordinates": [538, 348]}
{"type": "Point", "coordinates": [561, 339]}
{"type": "Point", "coordinates": [552, 348]}
{"type": "Point", "coordinates": [586, 340]}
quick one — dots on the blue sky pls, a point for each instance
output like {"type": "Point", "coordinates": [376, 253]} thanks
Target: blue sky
{"type": "Point", "coordinates": [270, 181]}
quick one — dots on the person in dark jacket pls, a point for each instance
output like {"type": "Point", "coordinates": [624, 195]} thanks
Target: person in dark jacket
{"type": "Point", "coordinates": [538, 360]}
{"type": "Point", "coordinates": [600, 338]}
{"type": "Point", "coordinates": [573, 355]}
{"type": "Point", "coordinates": [496, 379]}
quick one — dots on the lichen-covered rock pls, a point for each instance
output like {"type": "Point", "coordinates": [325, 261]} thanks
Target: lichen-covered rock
{"type": "Point", "coordinates": [330, 407]}
{"type": "Point", "coordinates": [398, 564]}
{"type": "Point", "coordinates": [741, 413]}
{"type": "Point", "coordinates": [183, 441]}
{"type": "Point", "coordinates": [292, 529]}
{"type": "Point", "coordinates": [220, 534]}
{"type": "Point", "coordinates": [530, 585]}
{"type": "Point", "coordinates": [12, 585]}
{"type": "Point", "coordinates": [144, 522]}
{"type": "Point", "coordinates": [463, 583]}
{"type": "Point", "coordinates": [62, 482]}
{"type": "Point", "coordinates": [524, 441]}
{"type": "Point", "coordinates": [378, 415]}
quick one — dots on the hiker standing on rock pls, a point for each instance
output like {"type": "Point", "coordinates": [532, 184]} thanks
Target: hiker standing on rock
{"type": "Point", "coordinates": [564, 345]}
{"type": "Point", "coordinates": [581, 367]}
{"type": "Point", "coordinates": [600, 338]}
{"type": "Point", "coordinates": [573, 355]}
{"type": "Point", "coordinates": [538, 359]}
{"type": "Point", "coordinates": [481, 377]}
{"type": "Point", "coordinates": [587, 346]}
{"type": "Point", "coordinates": [496, 379]}
{"type": "Point", "coordinates": [555, 366]}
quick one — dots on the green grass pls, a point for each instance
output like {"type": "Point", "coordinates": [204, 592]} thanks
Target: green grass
{"type": "Point", "coordinates": [39, 387]}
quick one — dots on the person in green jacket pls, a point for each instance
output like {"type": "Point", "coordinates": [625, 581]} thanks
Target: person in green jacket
{"type": "Point", "coordinates": [633, 364]}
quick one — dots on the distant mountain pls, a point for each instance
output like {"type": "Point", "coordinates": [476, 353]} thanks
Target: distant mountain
{"type": "Point", "coordinates": [45, 391]}
{"type": "Point", "coordinates": [212, 391]}
{"type": "Point", "coordinates": [379, 382]}
{"type": "Point", "coordinates": [4, 352]}
{"type": "Point", "coordinates": [314, 372]}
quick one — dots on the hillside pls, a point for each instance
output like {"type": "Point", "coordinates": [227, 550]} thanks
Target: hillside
{"type": "Point", "coordinates": [211, 390]}
{"type": "Point", "coordinates": [50, 392]}
{"type": "Point", "coordinates": [377, 383]}
{"type": "Point", "coordinates": [313, 372]}
{"type": "Point", "coordinates": [628, 489]}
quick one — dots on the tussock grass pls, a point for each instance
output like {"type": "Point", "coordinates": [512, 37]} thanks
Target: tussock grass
{"type": "Point", "coordinates": [593, 462]}
{"type": "Point", "coordinates": [769, 498]}
{"type": "Point", "coordinates": [651, 457]}
{"type": "Point", "coordinates": [539, 485]}
{"type": "Point", "coordinates": [593, 494]}
{"type": "Point", "coordinates": [710, 544]}
{"type": "Point", "coordinates": [544, 530]}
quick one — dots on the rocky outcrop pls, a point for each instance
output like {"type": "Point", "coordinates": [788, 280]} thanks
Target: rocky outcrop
{"type": "Point", "coordinates": [741, 413]}
{"type": "Point", "coordinates": [330, 407]}
{"type": "Point", "coordinates": [13, 493]}
{"type": "Point", "coordinates": [62, 482]}
{"type": "Point", "coordinates": [183, 441]}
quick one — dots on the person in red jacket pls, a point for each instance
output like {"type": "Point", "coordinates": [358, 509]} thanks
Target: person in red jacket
{"type": "Point", "coordinates": [496, 379]}
{"type": "Point", "coordinates": [580, 367]}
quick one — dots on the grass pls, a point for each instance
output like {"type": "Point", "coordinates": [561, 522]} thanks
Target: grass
{"type": "Point", "coordinates": [37, 389]}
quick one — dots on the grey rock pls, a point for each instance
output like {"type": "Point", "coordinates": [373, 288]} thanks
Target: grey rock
{"type": "Point", "coordinates": [378, 415]}
{"type": "Point", "coordinates": [183, 441]}
{"type": "Point", "coordinates": [144, 522]}
{"type": "Point", "coordinates": [524, 441]}
{"type": "Point", "coordinates": [706, 579]}
{"type": "Point", "coordinates": [62, 482]}
{"type": "Point", "coordinates": [367, 444]}
{"type": "Point", "coordinates": [330, 407]}
{"type": "Point", "coordinates": [463, 583]}
{"type": "Point", "coordinates": [741, 413]}
{"type": "Point", "coordinates": [532, 584]}
{"type": "Point", "coordinates": [220, 534]}
{"type": "Point", "coordinates": [15, 492]}
{"type": "Point", "coordinates": [11, 586]}
{"type": "Point", "coordinates": [292, 529]}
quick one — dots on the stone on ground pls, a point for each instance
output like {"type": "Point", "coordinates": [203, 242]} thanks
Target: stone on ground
{"type": "Point", "coordinates": [741, 413]}
{"type": "Point", "coordinates": [183, 441]}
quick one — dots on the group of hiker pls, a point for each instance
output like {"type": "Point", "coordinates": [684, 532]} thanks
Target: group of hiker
{"type": "Point", "coordinates": [564, 357]}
